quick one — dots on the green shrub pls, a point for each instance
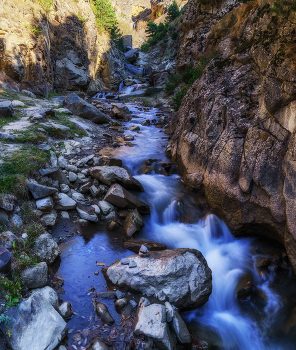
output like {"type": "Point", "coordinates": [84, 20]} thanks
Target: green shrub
{"type": "Point", "coordinates": [283, 7]}
{"type": "Point", "coordinates": [174, 81]}
{"type": "Point", "coordinates": [145, 47]}
{"type": "Point", "coordinates": [46, 4]}
{"type": "Point", "coordinates": [173, 12]}
{"type": "Point", "coordinates": [151, 29]}
{"type": "Point", "coordinates": [35, 31]}
{"type": "Point", "coordinates": [178, 98]}
{"type": "Point", "coordinates": [117, 37]}
{"type": "Point", "coordinates": [105, 15]}
{"type": "Point", "coordinates": [174, 35]}
{"type": "Point", "coordinates": [81, 18]}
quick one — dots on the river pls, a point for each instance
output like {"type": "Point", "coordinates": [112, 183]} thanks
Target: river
{"type": "Point", "coordinates": [225, 322]}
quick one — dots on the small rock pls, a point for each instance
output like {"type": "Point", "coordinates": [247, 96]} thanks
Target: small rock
{"type": "Point", "coordinates": [65, 310]}
{"type": "Point", "coordinates": [6, 109]}
{"type": "Point", "coordinates": [28, 93]}
{"type": "Point", "coordinates": [105, 207]}
{"type": "Point", "coordinates": [135, 128]}
{"type": "Point", "coordinates": [7, 202]}
{"type": "Point", "coordinates": [94, 191]}
{"type": "Point", "coordinates": [132, 223]}
{"type": "Point", "coordinates": [5, 136]}
{"type": "Point", "coordinates": [39, 191]}
{"type": "Point", "coordinates": [49, 219]}
{"type": "Point", "coordinates": [49, 294]}
{"type": "Point", "coordinates": [76, 196]}
{"type": "Point", "coordinates": [64, 188]}
{"type": "Point", "coordinates": [7, 239]}
{"type": "Point", "coordinates": [17, 103]}
{"type": "Point", "coordinates": [125, 261]}
{"type": "Point", "coordinates": [45, 204]}
{"type": "Point", "coordinates": [102, 311]}
{"type": "Point", "coordinates": [133, 303]}
{"type": "Point", "coordinates": [144, 252]}
{"type": "Point", "coordinates": [113, 226]}
{"type": "Point", "coordinates": [97, 209]}
{"type": "Point", "coordinates": [65, 215]}
{"type": "Point", "coordinates": [96, 273]}
{"type": "Point", "coordinates": [46, 248]}
{"type": "Point", "coordinates": [129, 138]}
{"type": "Point", "coordinates": [89, 217]}
{"type": "Point", "coordinates": [24, 235]}
{"type": "Point", "coordinates": [132, 264]}
{"type": "Point", "coordinates": [5, 260]}
{"type": "Point", "coordinates": [72, 168]}
{"type": "Point", "coordinates": [62, 162]}
{"type": "Point", "coordinates": [98, 345]}
{"type": "Point", "coordinates": [16, 220]}
{"type": "Point", "coordinates": [72, 176]}
{"type": "Point", "coordinates": [119, 294]}
{"type": "Point", "coordinates": [120, 303]}
{"type": "Point", "coordinates": [35, 277]}
{"type": "Point", "coordinates": [64, 202]}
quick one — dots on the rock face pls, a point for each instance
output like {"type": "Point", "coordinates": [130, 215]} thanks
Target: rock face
{"type": "Point", "coordinates": [36, 325]}
{"type": "Point", "coordinates": [184, 279]}
{"type": "Point", "coordinates": [84, 109]}
{"type": "Point", "coordinates": [114, 174]}
{"type": "Point", "coordinates": [234, 133]}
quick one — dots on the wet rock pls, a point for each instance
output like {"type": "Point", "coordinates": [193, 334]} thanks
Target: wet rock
{"type": "Point", "coordinates": [129, 138]}
{"type": "Point", "coordinates": [64, 202]}
{"type": "Point", "coordinates": [135, 128]}
{"type": "Point", "coordinates": [185, 280]}
{"type": "Point", "coordinates": [65, 309]}
{"type": "Point", "coordinates": [105, 207]}
{"type": "Point", "coordinates": [64, 188]}
{"type": "Point", "coordinates": [6, 109]}
{"type": "Point", "coordinates": [121, 198]}
{"type": "Point", "coordinates": [7, 239]}
{"type": "Point", "coordinates": [119, 294]}
{"type": "Point", "coordinates": [151, 322]}
{"type": "Point", "coordinates": [113, 226]}
{"type": "Point", "coordinates": [5, 260]}
{"type": "Point", "coordinates": [144, 252]}
{"type": "Point", "coordinates": [135, 246]}
{"type": "Point", "coordinates": [16, 220]}
{"type": "Point", "coordinates": [86, 216]}
{"type": "Point", "coordinates": [262, 262]}
{"type": "Point", "coordinates": [110, 161]}
{"type": "Point", "coordinates": [7, 202]}
{"type": "Point", "coordinates": [46, 248]}
{"type": "Point", "coordinates": [102, 311]}
{"type": "Point", "coordinates": [132, 55]}
{"type": "Point", "coordinates": [177, 324]}
{"type": "Point", "coordinates": [290, 325]}
{"type": "Point", "coordinates": [48, 294]}
{"type": "Point", "coordinates": [85, 110]}
{"type": "Point", "coordinates": [36, 325]}
{"type": "Point", "coordinates": [114, 174]}
{"type": "Point", "coordinates": [132, 223]}
{"type": "Point", "coordinates": [194, 181]}
{"type": "Point", "coordinates": [111, 216]}
{"type": "Point", "coordinates": [94, 191]}
{"type": "Point", "coordinates": [40, 191]}
{"type": "Point", "coordinates": [188, 213]}
{"type": "Point", "coordinates": [98, 345]}
{"type": "Point", "coordinates": [120, 304]}
{"type": "Point", "coordinates": [123, 214]}
{"type": "Point", "coordinates": [45, 204]}
{"type": "Point", "coordinates": [35, 277]}
{"type": "Point", "coordinates": [76, 196]}
{"type": "Point", "coordinates": [245, 286]}
{"type": "Point", "coordinates": [133, 303]}
{"type": "Point", "coordinates": [120, 111]}
{"type": "Point", "coordinates": [49, 219]}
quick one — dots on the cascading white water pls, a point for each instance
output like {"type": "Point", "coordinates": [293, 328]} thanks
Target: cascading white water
{"type": "Point", "coordinates": [100, 95]}
{"type": "Point", "coordinates": [121, 86]}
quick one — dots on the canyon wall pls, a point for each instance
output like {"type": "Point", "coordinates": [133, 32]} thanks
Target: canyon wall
{"type": "Point", "coordinates": [234, 134]}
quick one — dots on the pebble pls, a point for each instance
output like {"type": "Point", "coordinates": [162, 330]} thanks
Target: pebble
{"type": "Point", "coordinates": [96, 273]}
{"type": "Point", "coordinates": [133, 303]}
{"type": "Point", "coordinates": [125, 261]}
{"type": "Point", "coordinates": [132, 264]}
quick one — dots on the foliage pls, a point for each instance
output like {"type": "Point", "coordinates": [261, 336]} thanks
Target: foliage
{"type": "Point", "coordinates": [117, 37]}
{"type": "Point", "coordinates": [12, 287]}
{"type": "Point", "coordinates": [4, 319]}
{"type": "Point", "coordinates": [46, 4]}
{"type": "Point", "coordinates": [174, 81]}
{"type": "Point", "coordinates": [173, 12]}
{"type": "Point", "coordinates": [81, 18]}
{"type": "Point", "coordinates": [18, 167]}
{"type": "Point", "coordinates": [283, 7]}
{"type": "Point", "coordinates": [104, 14]}
{"type": "Point", "coordinates": [174, 35]}
{"type": "Point", "coordinates": [177, 99]}
{"type": "Point", "coordinates": [145, 47]}
{"type": "Point", "coordinates": [35, 31]}
{"type": "Point", "coordinates": [151, 29]}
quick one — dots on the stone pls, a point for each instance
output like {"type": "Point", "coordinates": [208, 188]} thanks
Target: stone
{"type": "Point", "coordinates": [7, 239]}
{"type": "Point", "coordinates": [84, 109]}
{"type": "Point", "coordinates": [46, 248]}
{"type": "Point", "coordinates": [65, 215]}
{"type": "Point", "coordinates": [76, 196]}
{"type": "Point", "coordinates": [40, 191]}
{"type": "Point", "coordinates": [97, 209]}
{"type": "Point", "coordinates": [48, 294]}
{"type": "Point", "coordinates": [129, 138]}
{"type": "Point", "coordinates": [62, 347]}
{"type": "Point", "coordinates": [62, 162]}
{"type": "Point", "coordinates": [49, 219]}
{"type": "Point", "coordinates": [133, 303]}
{"type": "Point", "coordinates": [36, 325]}
{"type": "Point", "coordinates": [16, 220]}
{"type": "Point", "coordinates": [28, 93]}
{"type": "Point", "coordinates": [120, 304]}
{"type": "Point", "coordinates": [85, 160]}
{"type": "Point", "coordinates": [120, 197]}
{"type": "Point", "coordinates": [113, 226]}
{"type": "Point", "coordinates": [49, 171]}
{"type": "Point", "coordinates": [134, 246]}
{"type": "Point", "coordinates": [114, 174]}
{"type": "Point", "coordinates": [125, 261]}
{"type": "Point", "coordinates": [5, 260]}
{"type": "Point", "coordinates": [64, 202]}
{"type": "Point", "coordinates": [72, 176]}
{"type": "Point", "coordinates": [16, 103]}
{"type": "Point", "coordinates": [105, 207]}
{"type": "Point", "coordinates": [72, 168]}
{"type": "Point", "coordinates": [132, 55]}
{"type": "Point", "coordinates": [119, 294]}
{"type": "Point", "coordinates": [120, 111]}
{"type": "Point", "coordinates": [185, 280]}
{"type": "Point", "coordinates": [35, 277]}
{"type": "Point", "coordinates": [94, 191]}
{"type": "Point", "coordinates": [132, 223]}
{"type": "Point", "coordinates": [177, 324]}
{"type": "Point", "coordinates": [65, 309]}
{"type": "Point", "coordinates": [132, 264]}
{"type": "Point", "coordinates": [245, 286]}
{"type": "Point", "coordinates": [64, 188]}
{"type": "Point", "coordinates": [4, 136]}
{"type": "Point", "coordinates": [135, 128]}
{"type": "Point", "coordinates": [45, 204]}
{"type": "Point", "coordinates": [89, 217]}
{"type": "Point", "coordinates": [6, 109]}
{"type": "Point", "coordinates": [103, 313]}
{"type": "Point", "coordinates": [104, 160]}
{"type": "Point", "coordinates": [98, 345]}
{"type": "Point", "coordinates": [69, 76]}
{"type": "Point", "coordinates": [151, 322]}
{"type": "Point", "coordinates": [59, 176]}
{"type": "Point", "coordinates": [7, 202]}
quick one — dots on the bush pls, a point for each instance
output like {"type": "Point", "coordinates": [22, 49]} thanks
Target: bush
{"type": "Point", "coordinates": [151, 29]}
{"type": "Point", "coordinates": [174, 35]}
{"type": "Point", "coordinates": [117, 37]}
{"type": "Point", "coordinates": [177, 99]}
{"type": "Point", "coordinates": [173, 12]}
{"type": "Point", "coordinates": [174, 81]}
{"type": "Point", "coordinates": [105, 16]}
{"type": "Point", "coordinates": [145, 47]}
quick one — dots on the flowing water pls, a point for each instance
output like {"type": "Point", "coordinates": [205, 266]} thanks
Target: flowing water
{"type": "Point", "coordinates": [257, 323]}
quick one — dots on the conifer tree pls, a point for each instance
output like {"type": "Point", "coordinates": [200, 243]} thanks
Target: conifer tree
{"type": "Point", "coordinates": [151, 29]}
{"type": "Point", "coordinates": [173, 11]}
{"type": "Point", "coordinates": [104, 13]}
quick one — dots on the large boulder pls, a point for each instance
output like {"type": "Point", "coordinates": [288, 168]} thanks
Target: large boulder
{"type": "Point", "coordinates": [46, 248]}
{"type": "Point", "coordinates": [40, 191]}
{"type": "Point", "coordinates": [114, 174]}
{"type": "Point", "coordinates": [132, 55]}
{"type": "Point", "coordinates": [120, 197]}
{"type": "Point", "coordinates": [84, 109]}
{"type": "Point", "coordinates": [151, 322]}
{"type": "Point", "coordinates": [36, 325]}
{"type": "Point", "coordinates": [6, 109]}
{"type": "Point", "coordinates": [180, 276]}
{"type": "Point", "coordinates": [5, 260]}
{"type": "Point", "coordinates": [132, 223]}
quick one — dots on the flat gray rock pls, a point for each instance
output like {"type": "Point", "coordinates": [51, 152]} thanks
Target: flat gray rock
{"type": "Point", "coordinates": [65, 202]}
{"type": "Point", "coordinates": [40, 191]}
{"type": "Point", "coordinates": [46, 248]}
{"type": "Point", "coordinates": [35, 277]}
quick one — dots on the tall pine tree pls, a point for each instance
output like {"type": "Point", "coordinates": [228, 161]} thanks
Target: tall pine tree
{"type": "Point", "coordinates": [104, 13]}
{"type": "Point", "coordinates": [173, 11]}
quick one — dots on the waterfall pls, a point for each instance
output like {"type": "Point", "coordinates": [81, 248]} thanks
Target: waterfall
{"type": "Point", "coordinates": [121, 85]}
{"type": "Point", "coordinates": [100, 95]}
